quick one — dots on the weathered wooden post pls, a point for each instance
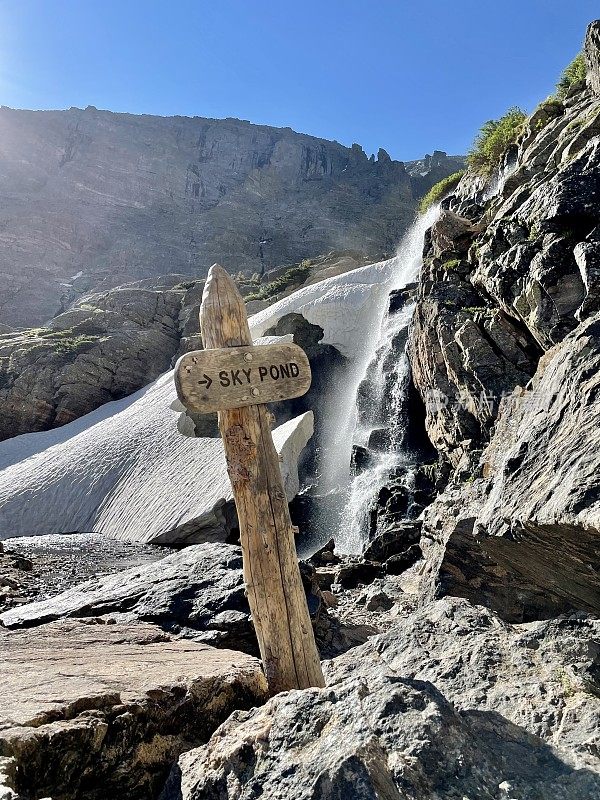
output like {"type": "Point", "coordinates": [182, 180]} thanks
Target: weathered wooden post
{"type": "Point", "coordinates": [236, 378]}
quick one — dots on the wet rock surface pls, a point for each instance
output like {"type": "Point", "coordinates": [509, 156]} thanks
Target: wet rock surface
{"type": "Point", "coordinates": [38, 567]}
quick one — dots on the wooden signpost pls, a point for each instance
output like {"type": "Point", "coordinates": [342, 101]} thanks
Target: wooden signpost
{"type": "Point", "coordinates": [235, 378]}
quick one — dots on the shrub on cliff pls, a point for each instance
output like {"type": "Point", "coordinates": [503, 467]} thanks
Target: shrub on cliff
{"type": "Point", "coordinates": [495, 136]}
{"type": "Point", "coordinates": [573, 75]}
{"type": "Point", "coordinates": [294, 275]}
{"type": "Point", "coordinates": [440, 190]}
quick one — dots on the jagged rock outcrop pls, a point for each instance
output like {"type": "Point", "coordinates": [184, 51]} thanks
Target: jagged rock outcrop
{"type": "Point", "coordinates": [524, 537]}
{"type": "Point", "coordinates": [103, 349]}
{"type": "Point", "coordinates": [96, 199]}
{"type": "Point", "coordinates": [465, 356]}
{"type": "Point", "coordinates": [509, 272]}
{"type": "Point", "coordinates": [97, 711]}
{"type": "Point", "coordinates": [592, 56]}
{"type": "Point", "coordinates": [427, 171]}
{"type": "Point", "coordinates": [450, 703]}
{"type": "Point", "coordinates": [507, 321]}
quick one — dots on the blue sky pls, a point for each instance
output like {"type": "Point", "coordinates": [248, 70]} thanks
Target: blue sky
{"type": "Point", "coordinates": [406, 76]}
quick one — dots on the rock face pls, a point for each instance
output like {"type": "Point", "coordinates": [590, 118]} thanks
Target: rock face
{"type": "Point", "coordinates": [592, 56]}
{"type": "Point", "coordinates": [504, 352]}
{"type": "Point", "coordinates": [126, 472]}
{"type": "Point", "coordinates": [555, 422]}
{"type": "Point", "coordinates": [99, 711]}
{"type": "Point", "coordinates": [97, 199]}
{"type": "Point", "coordinates": [524, 537]}
{"type": "Point", "coordinates": [103, 349]}
{"type": "Point", "coordinates": [450, 703]}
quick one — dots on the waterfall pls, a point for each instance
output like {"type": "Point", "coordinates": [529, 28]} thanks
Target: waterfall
{"type": "Point", "coordinates": [370, 416]}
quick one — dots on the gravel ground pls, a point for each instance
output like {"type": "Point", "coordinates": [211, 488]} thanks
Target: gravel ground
{"type": "Point", "coordinates": [38, 567]}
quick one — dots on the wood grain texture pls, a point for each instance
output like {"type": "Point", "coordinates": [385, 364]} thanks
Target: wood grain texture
{"type": "Point", "coordinates": [275, 592]}
{"type": "Point", "coordinates": [234, 377]}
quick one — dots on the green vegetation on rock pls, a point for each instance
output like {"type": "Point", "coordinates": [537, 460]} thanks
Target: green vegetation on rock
{"type": "Point", "coordinates": [573, 75]}
{"type": "Point", "coordinates": [293, 275]}
{"type": "Point", "coordinates": [440, 190]}
{"type": "Point", "coordinates": [551, 106]}
{"type": "Point", "coordinates": [62, 341]}
{"type": "Point", "coordinates": [451, 264]}
{"type": "Point", "coordinates": [492, 141]}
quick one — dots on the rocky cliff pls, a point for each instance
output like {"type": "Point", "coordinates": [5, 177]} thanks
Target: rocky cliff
{"type": "Point", "coordinates": [504, 351]}
{"type": "Point", "coordinates": [92, 199]}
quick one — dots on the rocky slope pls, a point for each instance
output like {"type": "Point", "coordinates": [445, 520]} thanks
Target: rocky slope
{"type": "Point", "coordinates": [103, 349]}
{"type": "Point", "coordinates": [451, 703]}
{"type": "Point", "coordinates": [504, 352]}
{"type": "Point", "coordinates": [92, 199]}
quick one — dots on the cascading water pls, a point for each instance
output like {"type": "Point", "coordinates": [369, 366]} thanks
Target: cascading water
{"type": "Point", "coordinates": [379, 432]}
{"type": "Point", "coordinates": [370, 411]}
{"type": "Point", "coordinates": [498, 181]}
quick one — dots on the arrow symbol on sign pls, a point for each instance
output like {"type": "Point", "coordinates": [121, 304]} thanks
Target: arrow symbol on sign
{"type": "Point", "coordinates": [207, 381]}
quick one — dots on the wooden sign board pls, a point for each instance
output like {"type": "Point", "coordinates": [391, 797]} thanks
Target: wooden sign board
{"type": "Point", "coordinates": [234, 377]}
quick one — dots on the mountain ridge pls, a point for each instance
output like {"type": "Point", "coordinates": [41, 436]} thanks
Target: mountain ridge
{"type": "Point", "coordinates": [94, 199]}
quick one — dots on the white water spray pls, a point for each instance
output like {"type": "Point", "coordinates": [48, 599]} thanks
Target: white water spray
{"type": "Point", "coordinates": [376, 360]}
{"type": "Point", "coordinates": [497, 183]}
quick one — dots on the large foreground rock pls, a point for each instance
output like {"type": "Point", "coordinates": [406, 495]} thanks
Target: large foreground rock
{"type": "Point", "coordinates": [100, 711]}
{"type": "Point", "coordinates": [452, 703]}
{"type": "Point", "coordinates": [125, 471]}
